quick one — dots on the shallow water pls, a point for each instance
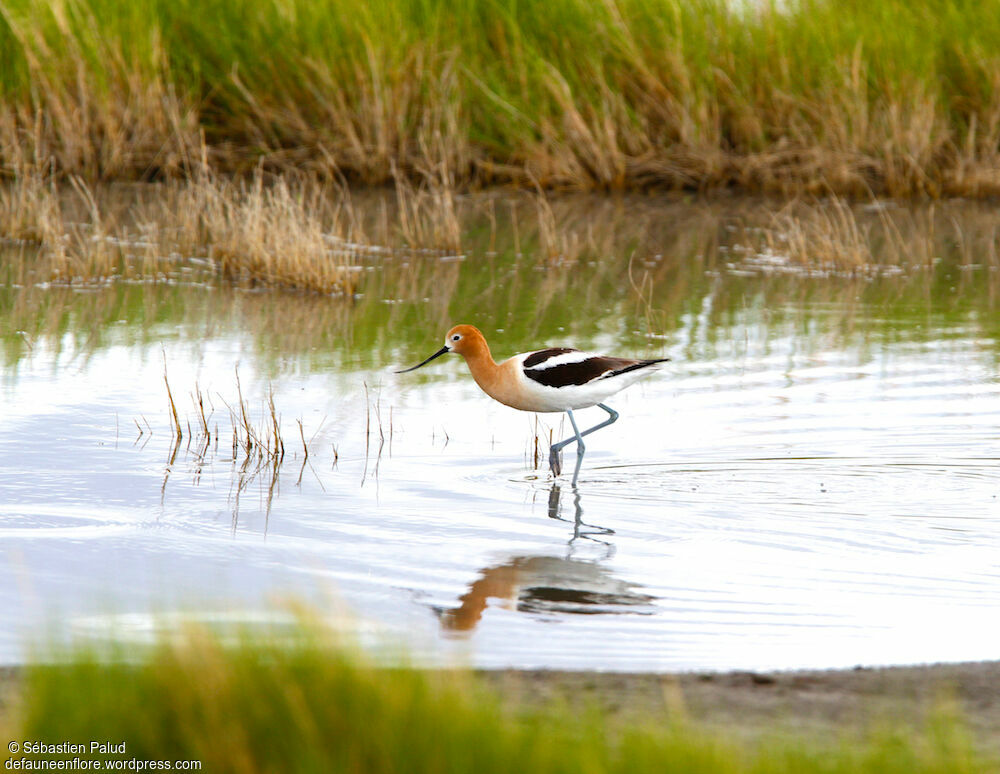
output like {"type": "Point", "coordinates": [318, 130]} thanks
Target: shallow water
{"type": "Point", "coordinates": [813, 480]}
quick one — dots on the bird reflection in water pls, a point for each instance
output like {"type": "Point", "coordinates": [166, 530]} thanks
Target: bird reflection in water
{"type": "Point", "coordinates": [551, 585]}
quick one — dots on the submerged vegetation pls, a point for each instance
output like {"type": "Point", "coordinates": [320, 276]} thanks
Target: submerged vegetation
{"type": "Point", "coordinates": [809, 95]}
{"type": "Point", "coordinates": [299, 233]}
{"type": "Point", "coordinates": [286, 233]}
{"type": "Point", "coordinates": [652, 262]}
{"type": "Point", "coordinates": [304, 703]}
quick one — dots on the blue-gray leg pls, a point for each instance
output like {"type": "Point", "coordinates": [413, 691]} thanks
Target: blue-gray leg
{"type": "Point", "coordinates": [580, 448]}
{"type": "Point", "coordinates": [555, 453]}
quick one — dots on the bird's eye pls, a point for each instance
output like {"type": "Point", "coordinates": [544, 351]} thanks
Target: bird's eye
{"type": "Point", "coordinates": [456, 337]}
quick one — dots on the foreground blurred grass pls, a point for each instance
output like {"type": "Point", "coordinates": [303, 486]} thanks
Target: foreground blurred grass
{"type": "Point", "coordinates": [308, 705]}
{"type": "Point", "coordinates": [800, 95]}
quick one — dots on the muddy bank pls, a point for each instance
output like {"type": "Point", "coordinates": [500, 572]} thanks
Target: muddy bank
{"type": "Point", "coordinates": [806, 703]}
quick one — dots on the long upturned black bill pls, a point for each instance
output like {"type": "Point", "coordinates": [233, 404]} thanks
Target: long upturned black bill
{"type": "Point", "coordinates": [442, 351]}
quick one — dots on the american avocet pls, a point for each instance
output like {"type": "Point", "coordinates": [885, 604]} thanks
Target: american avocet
{"type": "Point", "coordinates": [547, 380]}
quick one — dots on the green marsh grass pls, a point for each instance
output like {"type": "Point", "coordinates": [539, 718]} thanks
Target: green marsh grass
{"type": "Point", "coordinates": [807, 95]}
{"type": "Point", "coordinates": [305, 702]}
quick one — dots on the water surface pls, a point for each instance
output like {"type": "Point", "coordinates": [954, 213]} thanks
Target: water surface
{"type": "Point", "coordinates": [813, 480]}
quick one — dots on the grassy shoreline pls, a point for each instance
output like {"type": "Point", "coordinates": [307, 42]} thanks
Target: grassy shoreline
{"type": "Point", "coordinates": [312, 706]}
{"type": "Point", "coordinates": [808, 96]}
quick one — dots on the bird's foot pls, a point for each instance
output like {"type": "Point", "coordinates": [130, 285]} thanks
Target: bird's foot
{"type": "Point", "coordinates": [555, 461]}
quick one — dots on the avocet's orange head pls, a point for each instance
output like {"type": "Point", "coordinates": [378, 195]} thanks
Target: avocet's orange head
{"type": "Point", "coordinates": [465, 340]}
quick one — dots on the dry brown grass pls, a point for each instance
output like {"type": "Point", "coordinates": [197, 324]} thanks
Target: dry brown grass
{"type": "Point", "coordinates": [278, 235]}
{"type": "Point", "coordinates": [289, 232]}
{"type": "Point", "coordinates": [29, 210]}
{"type": "Point", "coordinates": [828, 235]}
{"type": "Point", "coordinates": [109, 120]}
{"type": "Point", "coordinates": [68, 248]}
{"type": "Point", "coordinates": [428, 215]}
{"type": "Point", "coordinates": [835, 235]}
{"type": "Point", "coordinates": [297, 232]}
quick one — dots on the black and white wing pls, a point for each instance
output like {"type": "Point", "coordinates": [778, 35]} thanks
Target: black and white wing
{"type": "Point", "coordinates": [563, 367]}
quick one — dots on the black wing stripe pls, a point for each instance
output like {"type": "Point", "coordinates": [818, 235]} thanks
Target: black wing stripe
{"type": "Point", "coordinates": [574, 374]}
{"type": "Point", "coordinates": [537, 358]}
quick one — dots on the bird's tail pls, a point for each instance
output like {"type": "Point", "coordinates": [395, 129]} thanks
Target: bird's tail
{"type": "Point", "coordinates": [637, 366]}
